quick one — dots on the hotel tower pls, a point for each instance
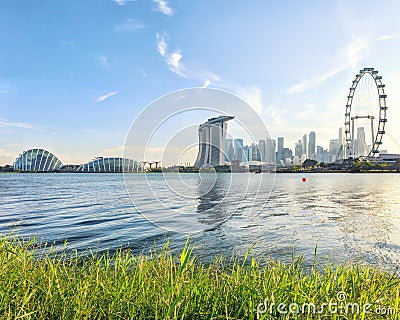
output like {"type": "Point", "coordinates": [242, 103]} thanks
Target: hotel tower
{"type": "Point", "coordinates": [212, 135]}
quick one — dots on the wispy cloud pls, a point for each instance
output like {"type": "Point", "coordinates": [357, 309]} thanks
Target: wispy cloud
{"type": "Point", "coordinates": [161, 45]}
{"type": "Point", "coordinates": [307, 111]}
{"type": "Point", "coordinates": [253, 96]}
{"type": "Point", "coordinates": [277, 114]}
{"type": "Point", "coordinates": [103, 61]}
{"type": "Point", "coordinates": [4, 91]}
{"type": "Point", "coordinates": [206, 83]}
{"type": "Point", "coordinates": [300, 86]}
{"type": "Point", "coordinates": [349, 57]}
{"type": "Point", "coordinates": [164, 8]}
{"type": "Point", "coordinates": [354, 51]}
{"type": "Point", "coordinates": [144, 73]}
{"type": "Point", "coordinates": [24, 125]}
{"type": "Point", "coordinates": [314, 82]}
{"type": "Point", "coordinates": [174, 60]}
{"type": "Point", "coordinates": [130, 24]}
{"type": "Point", "coordinates": [67, 43]}
{"type": "Point", "coordinates": [106, 96]}
{"type": "Point", "coordinates": [388, 37]}
{"type": "Point", "coordinates": [120, 2]}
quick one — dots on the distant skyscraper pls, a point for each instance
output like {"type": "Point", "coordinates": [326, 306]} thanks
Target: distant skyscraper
{"type": "Point", "coordinates": [287, 153]}
{"type": "Point", "coordinates": [262, 149]}
{"type": "Point", "coordinates": [229, 151]}
{"type": "Point", "coordinates": [334, 149]}
{"type": "Point", "coordinates": [238, 146]}
{"type": "Point", "coordinates": [298, 148]}
{"type": "Point", "coordinates": [311, 145]}
{"type": "Point", "coordinates": [212, 135]}
{"type": "Point", "coordinates": [270, 151]}
{"type": "Point", "coordinates": [255, 153]}
{"type": "Point", "coordinates": [246, 153]}
{"type": "Point", "coordinates": [280, 154]}
{"type": "Point", "coordinates": [361, 145]}
{"type": "Point", "coordinates": [320, 154]}
{"type": "Point", "coordinates": [304, 145]}
{"type": "Point", "coordinates": [342, 148]}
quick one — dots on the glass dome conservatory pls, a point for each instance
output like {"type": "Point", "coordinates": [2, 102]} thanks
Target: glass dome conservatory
{"type": "Point", "coordinates": [101, 164]}
{"type": "Point", "coordinates": [37, 160]}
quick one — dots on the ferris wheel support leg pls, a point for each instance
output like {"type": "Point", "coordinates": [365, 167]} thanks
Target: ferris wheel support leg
{"type": "Point", "coordinates": [372, 132]}
{"type": "Point", "coordinates": [352, 139]}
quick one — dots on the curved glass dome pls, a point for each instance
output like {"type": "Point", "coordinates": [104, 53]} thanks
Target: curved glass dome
{"type": "Point", "coordinates": [101, 164]}
{"type": "Point", "coordinates": [37, 160]}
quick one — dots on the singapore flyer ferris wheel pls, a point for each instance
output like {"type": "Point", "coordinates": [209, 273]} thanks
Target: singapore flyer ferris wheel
{"type": "Point", "coordinates": [366, 102]}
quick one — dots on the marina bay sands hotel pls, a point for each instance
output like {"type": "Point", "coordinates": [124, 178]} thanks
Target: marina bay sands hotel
{"type": "Point", "coordinates": [212, 135]}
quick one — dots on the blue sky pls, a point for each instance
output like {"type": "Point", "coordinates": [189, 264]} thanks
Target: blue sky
{"type": "Point", "coordinates": [75, 74]}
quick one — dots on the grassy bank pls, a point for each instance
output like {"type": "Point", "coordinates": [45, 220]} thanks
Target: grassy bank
{"type": "Point", "coordinates": [165, 286]}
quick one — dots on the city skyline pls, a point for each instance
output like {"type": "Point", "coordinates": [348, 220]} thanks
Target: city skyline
{"type": "Point", "coordinates": [76, 87]}
{"type": "Point", "coordinates": [269, 150]}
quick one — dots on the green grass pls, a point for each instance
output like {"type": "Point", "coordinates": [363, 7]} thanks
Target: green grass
{"type": "Point", "coordinates": [161, 285]}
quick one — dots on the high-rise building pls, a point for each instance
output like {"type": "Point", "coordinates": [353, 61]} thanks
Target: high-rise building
{"type": "Point", "coordinates": [361, 148]}
{"type": "Point", "coordinates": [323, 155]}
{"type": "Point", "coordinates": [238, 149]}
{"type": "Point", "coordinates": [270, 151]}
{"type": "Point", "coordinates": [334, 149]}
{"type": "Point", "coordinates": [255, 153]}
{"type": "Point", "coordinates": [298, 148]}
{"type": "Point", "coordinates": [262, 149]}
{"type": "Point", "coordinates": [311, 146]}
{"type": "Point", "coordinates": [229, 151]}
{"type": "Point", "coordinates": [287, 153]}
{"type": "Point", "coordinates": [280, 155]}
{"type": "Point", "coordinates": [212, 136]}
{"type": "Point", "coordinates": [304, 145]}
{"type": "Point", "coordinates": [342, 148]}
{"type": "Point", "coordinates": [246, 153]}
{"type": "Point", "coordinates": [320, 154]}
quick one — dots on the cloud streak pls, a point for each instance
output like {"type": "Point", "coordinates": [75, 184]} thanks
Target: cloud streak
{"type": "Point", "coordinates": [120, 2]}
{"type": "Point", "coordinates": [106, 96]}
{"type": "Point", "coordinates": [104, 63]}
{"type": "Point", "coordinates": [277, 114]}
{"type": "Point", "coordinates": [350, 57]}
{"type": "Point", "coordinates": [67, 43]}
{"type": "Point", "coordinates": [253, 96]}
{"type": "Point", "coordinates": [315, 81]}
{"type": "Point", "coordinates": [206, 83]}
{"type": "Point", "coordinates": [161, 45]}
{"type": "Point", "coordinates": [164, 8]}
{"type": "Point", "coordinates": [175, 65]}
{"type": "Point", "coordinates": [129, 25]}
{"type": "Point", "coordinates": [5, 123]}
{"type": "Point", "coordinates": [308, 110]}
{"type": "Point", "coordinates": [174, 61]}
{"type": "Point", "coordinates": [388, 37]}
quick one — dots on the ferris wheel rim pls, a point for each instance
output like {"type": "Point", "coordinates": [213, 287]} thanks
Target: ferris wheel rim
{"type": "Point", "coordinates": [382, 111]}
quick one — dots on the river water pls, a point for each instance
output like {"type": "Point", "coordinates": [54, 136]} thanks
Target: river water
{"type": "Point", "coordinates": [352, 217]}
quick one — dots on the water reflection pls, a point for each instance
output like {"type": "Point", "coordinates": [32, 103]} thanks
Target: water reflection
{"type": "Point", "coordinates": [212, 200]}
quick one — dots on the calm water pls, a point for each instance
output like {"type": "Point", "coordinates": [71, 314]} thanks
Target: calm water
{"type": "Point", "coordinates": [349, 216]}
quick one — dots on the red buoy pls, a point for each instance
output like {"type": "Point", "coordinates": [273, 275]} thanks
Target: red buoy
{"type": "Point", "coordinates": [304, 179]}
